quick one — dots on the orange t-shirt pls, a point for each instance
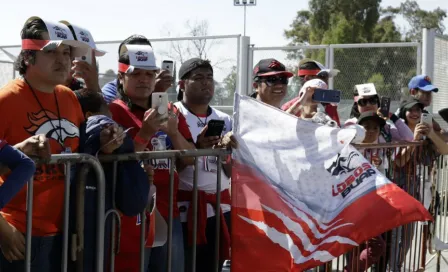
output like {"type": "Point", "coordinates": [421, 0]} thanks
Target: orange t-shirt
{"type": "Point", "coordinates": [21, 118]}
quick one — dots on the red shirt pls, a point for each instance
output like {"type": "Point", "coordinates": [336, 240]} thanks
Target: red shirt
{"type": "Point", "coordinates": [127, 118]}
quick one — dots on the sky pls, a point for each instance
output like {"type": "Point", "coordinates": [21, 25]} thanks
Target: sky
{"type": "Point", "coordinates": [108, 21]}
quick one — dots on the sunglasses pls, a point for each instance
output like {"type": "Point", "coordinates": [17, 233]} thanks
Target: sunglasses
{"type": "Point", "coordinates": [272, 80]}
{"type": "Point", "coordinates": [371, 100]}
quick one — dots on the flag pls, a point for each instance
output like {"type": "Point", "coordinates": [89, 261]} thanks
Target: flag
{"type": "Point", "coordinates": [302, 195]}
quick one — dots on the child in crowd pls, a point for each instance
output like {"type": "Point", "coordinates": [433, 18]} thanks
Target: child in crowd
{"type": "Point", "coordinates": [371, 251]}
{"type": "Point", "coordinates": [130, 193]}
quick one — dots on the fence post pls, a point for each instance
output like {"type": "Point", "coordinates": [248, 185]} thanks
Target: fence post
{"type": "Point", "coordinates": [428, 52]}
{"type": "Point", "coordinates": [419, 59]}
{"type": "Point", "coordinates": [331, 65]}
{"type": "Point", "coordinates": [327, 56]}
{"type": "Point", "coordinates": [243, 58]}
{"type": "Point", "coordinates": [428, 39]}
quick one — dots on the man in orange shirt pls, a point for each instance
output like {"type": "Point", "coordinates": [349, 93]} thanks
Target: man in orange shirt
{"type": "Point", "coordinates": [33, 105]}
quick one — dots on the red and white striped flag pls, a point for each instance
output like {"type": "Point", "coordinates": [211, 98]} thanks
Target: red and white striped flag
{"type": "Point", "coordinates": [302, 195]}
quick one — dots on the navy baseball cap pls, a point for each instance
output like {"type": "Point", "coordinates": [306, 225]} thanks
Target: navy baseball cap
{"type": "Point", "coordinates": [371, 115]}
{"type": "Point", "coordinates": [423, 83]}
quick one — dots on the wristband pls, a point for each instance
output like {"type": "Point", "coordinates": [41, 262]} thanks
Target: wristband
{"type": "Point", "coordinates": [140, 140]}
{"type": "Point", "coordinates": [394, 118]}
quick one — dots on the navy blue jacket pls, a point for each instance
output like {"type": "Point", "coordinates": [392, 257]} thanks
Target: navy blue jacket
{"type": "Point", "coordinates": [22, 169]}
{"type": "Point", "coordinates": [132, 188]}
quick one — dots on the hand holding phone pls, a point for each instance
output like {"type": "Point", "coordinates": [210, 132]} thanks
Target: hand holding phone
{"type": "Point", "coordinates": [385, 107]}
{"type": "Point", "coordinates": [327, 96]}
{"type": "Point", "coordinates": [426, 118]}
{"type": "Point", "coordinates": [168, 65]}
{"type": "Point", "coordinates": [87, 57]}
{"type": "Point", "coordinates": [159, 102]}
{"type": "Point", "coordinates": [214, 128]}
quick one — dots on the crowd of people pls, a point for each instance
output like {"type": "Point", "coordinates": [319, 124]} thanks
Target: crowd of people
{"type": "Point", "coordinates": [57, 107]}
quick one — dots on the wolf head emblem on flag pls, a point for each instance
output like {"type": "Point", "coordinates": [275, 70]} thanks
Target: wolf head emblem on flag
{"type": "Point", "coordinates": [341, 165]}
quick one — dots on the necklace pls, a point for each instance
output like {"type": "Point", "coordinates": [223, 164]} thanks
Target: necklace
{"type": "Point", "coordinates": [45, 112]}
{"type": "Point", "coordinates": [200, 122]}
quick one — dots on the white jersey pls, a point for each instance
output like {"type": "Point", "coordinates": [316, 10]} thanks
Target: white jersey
{"type": "Point", "coordinates": [207, 172]}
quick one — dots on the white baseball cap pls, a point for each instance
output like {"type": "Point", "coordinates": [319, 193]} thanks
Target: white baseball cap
{"type": "Point", "coordinates": [84, 35]}
{"type": "Point", "coordinates": [58, 34]}
{"type": "Point", "coordinates": [140, 57]}
{"type": "Point", "coordinates": [364, 90]}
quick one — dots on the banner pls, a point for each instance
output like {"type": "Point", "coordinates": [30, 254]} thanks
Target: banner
{"type": "Point", "coordinates": [302, 195]}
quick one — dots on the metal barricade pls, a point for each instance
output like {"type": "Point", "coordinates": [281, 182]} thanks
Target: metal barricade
{"type": "Point", "coordinates": [421, 173]}
{"type": "Point", "coordinates": [172, 156]}
{"type": "Point", "coordinates": [68, 160]}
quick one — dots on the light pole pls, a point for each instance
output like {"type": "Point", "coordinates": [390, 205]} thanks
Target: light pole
{"type": "Point", "coordinates": [245, 3]}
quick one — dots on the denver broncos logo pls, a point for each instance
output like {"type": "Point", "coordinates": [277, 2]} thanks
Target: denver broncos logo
{"type": "Point", "coordinates": [341, 165]}
{"type": "Point", "coordinates": [47, 123]}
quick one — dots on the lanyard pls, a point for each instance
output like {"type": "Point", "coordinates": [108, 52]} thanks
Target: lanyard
{"type": "Point", "coordinates": [45, 112]}
{"type": "Point", "coordinates": [200, 123]}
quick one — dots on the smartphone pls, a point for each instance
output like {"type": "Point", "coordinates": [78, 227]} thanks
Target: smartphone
{"type": "Point", "coordinates": [385, 106]}
{"type": "Point", "coordinates": [87, 57]}
{"type": "Point", "coordinates": [426, 118]}
{"type": "Point", "coordinates": [168, 65]}
{"type": "Point", "coordinates": [326, 96]}
{"type": "Point", "coordinates": [160, 103]}
{"type": "Point", "coordinates": [214, 128]}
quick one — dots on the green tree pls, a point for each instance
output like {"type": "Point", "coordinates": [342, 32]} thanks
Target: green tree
{"type": "Point", "coordinates": [362, 21]}
{"type": "Point", "coordinates": [418, 19]}
{"type": "Point", "coordinates": [229, 84]}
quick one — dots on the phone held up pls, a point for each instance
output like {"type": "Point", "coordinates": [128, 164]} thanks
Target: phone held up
{"type": "Point", "coordinates": [168, 65]}
{"type": "Point", "coordinates": [426, 118]}
{"type": "Point", "coordinates": [327, 96]}
{"type": "Point", "coordinates": [214, 128]}
{"type": "Point", "coordinates": [159, 102]}
{"type": "Point", "coordinates": [385, 106]}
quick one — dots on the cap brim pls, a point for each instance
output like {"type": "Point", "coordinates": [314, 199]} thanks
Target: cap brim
{"type": "Point", "coordinates": [376, 118]}
{"type": "Point", "coordinates": [80, 48]}
{"type": "Point", "coordinates": [288, 74]}
{"type": "Point", "coordinates": [99, 53]}
{"type": "Point", "coordinates": [148, 68]}
{"type": "Point", "coordinates": [330, 72]}
{"type": "Point", "coordinates": [429, 88]}
{"type": "Point", "coordinates": [412, 104]}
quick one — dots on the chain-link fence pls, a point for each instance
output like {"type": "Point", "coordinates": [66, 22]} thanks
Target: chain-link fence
{"type": "Point", "coordinates": [440, 77]}
{"type": "Point", "coordinates": [6, 72]}
{"type": "Point", "coordinates": [388, 66]}
{"type": "Point", "coordinates": [222, 51]}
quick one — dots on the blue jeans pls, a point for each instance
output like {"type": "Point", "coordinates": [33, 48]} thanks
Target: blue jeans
{"type": "Point", "coordinates": [46, 254]}
{"type": "Point", "coordinates": [159, 255]}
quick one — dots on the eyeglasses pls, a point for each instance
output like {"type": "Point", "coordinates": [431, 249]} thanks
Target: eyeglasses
{"type": "Point", "coordinates": [272, 80]}
{"type": "Point", "coordinates": [371, 100]}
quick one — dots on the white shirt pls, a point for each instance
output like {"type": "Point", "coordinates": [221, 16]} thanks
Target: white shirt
{"type": "Point", "coordinates": [207, 172]}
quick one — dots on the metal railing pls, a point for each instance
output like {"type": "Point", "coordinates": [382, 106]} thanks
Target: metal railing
{"type": "Point", "coordinates": [421, 173]}
{"type": "Point", "coordinates": [68, 160]}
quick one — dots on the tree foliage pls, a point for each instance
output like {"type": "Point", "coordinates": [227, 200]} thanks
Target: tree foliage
{"type": "Point", "coordinates": [363, 21]}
